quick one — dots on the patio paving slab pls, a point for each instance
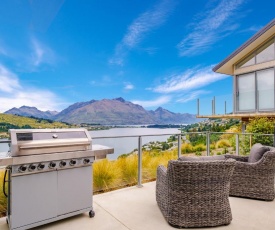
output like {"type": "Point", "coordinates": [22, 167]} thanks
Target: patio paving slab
{"type": "Point", "coordinates": [136, 209]}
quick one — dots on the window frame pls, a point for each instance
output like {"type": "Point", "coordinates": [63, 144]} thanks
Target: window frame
{"type": "Point", "coordinates": [236, 99]}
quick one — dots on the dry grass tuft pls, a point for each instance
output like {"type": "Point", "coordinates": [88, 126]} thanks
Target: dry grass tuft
{"type": "Point", "coordinates": [105, 175]}
{"type": "Point", "coordinates": [129, 168]}
{"type": "Point", "coordinates": [3, 200]}
{"type": "Point", "coordinates": [186, 148]}
{"type": "Point", "coordinates": [222, 143]}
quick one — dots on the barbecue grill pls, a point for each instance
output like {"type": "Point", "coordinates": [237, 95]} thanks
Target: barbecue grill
{"type": "Point", "coordinates": [49, 175]}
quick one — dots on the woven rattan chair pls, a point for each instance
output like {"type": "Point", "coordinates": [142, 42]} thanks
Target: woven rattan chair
{"type": "Point", "coordinates": [253, 180]}
{"type": "Point", "coordinates": [195, 193]}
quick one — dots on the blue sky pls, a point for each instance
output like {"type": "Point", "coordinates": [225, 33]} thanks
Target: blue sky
{"type": "Point", "coordinates": [154, 53]}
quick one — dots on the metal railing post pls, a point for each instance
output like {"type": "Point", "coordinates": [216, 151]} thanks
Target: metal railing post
{"type": "Point", "coordinates": [212, 107]}
{"type": "Point", "coordinates": [208, 143]}
{"type": "Point", "coordinates": [214, 102]}
{"type": "Point", "coordinates": [237, 144]}
{"type": "Point", "coordinates": [139, 185]}
{"type": "Point", "coordinates": [179, 145]}
{"type": "Point", "coordinates": [198, 107]}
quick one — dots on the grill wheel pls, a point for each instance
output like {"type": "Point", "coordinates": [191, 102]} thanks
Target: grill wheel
{"type": "Point", "coordinates": [91, 214]}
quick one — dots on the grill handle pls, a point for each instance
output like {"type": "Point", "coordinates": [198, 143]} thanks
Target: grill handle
{"type": "Point", "coordinates": [7, 170]}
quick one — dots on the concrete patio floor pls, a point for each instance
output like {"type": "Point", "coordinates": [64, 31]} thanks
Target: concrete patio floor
{"type": "Point", "coordinates": [136, 209]}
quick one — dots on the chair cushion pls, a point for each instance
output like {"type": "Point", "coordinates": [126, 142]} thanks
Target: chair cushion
{"type": "Point", "coordinates": [204, 158]}
{"type": "Point", "coordinates": [271, 148]}
{"type": "Point", "coordinates": [256, 152]}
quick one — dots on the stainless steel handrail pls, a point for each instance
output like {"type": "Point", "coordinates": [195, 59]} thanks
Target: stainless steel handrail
{"type": "Point", "coordinates": [5, 141]}
{"type": "Point", "coordinates": [141, 135]}
{"type": "Point", "coordinates": [207, 133]}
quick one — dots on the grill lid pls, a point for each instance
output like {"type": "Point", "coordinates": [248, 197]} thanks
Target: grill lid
{"type": "Point", "coordinates": [41, 141]}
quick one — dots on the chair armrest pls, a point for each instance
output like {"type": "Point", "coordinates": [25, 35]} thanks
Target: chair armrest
{"type": "Point", "coordinates": [161, 172]}
{"type": "Point", "coordinates": [266, 164]}
{"type": "Point", "coordinates": [162, 190]}
{"type": "Point", "coordinates": [237, 158]}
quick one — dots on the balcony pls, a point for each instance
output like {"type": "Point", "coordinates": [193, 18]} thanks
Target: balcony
{"type": "Point", "coordinates": [222, 107]}
{"type": "Point", "coordinates": [136, 208]}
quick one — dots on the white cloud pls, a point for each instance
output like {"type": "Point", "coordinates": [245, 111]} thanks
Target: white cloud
{"type": "Point", "coordinates": [128, 86]}
{"type": "Point", "coordinates": [141, 26]}
{"type": "Point", "coordinates": [146, 22]}
{"type": "Point", "coordinates": [153, 103]}
{"type": "Point", "coordinates": [13, 94]}
{"type": "Point", "coordinates": [41, 53]}
{"type": "Point", "coordinates": [8, 81]}
{"type": "Point", "coordinates": [189, 80]}
{"type": "Point", "coordinates": [252, 29]}
{"type": "Point", "coordinates": [215, 24]}
{"type": "Point", "coordinates": [192, 96]}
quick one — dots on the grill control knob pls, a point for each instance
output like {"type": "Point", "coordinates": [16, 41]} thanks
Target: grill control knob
{"type": "Point", "coordinates": [72, 162]}
{"type": "Point", "coordinates": [32, 167]}
{"type": "Point", "coordinates": [62, 164]}
{"type": "Point", "coordinates": [41, 166]}
{"type": "Point", "coordinates": [52, 165]}
{"type": "Point", "coordinates": [22, 168]}
{"type": "Point", "coordinates": [86, 161]}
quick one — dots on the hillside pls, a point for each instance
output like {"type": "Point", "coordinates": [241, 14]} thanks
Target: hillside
{"type": "Point", "coordinates": [9, 121]}
{"type": "Point", "coordinates": [164, 116]}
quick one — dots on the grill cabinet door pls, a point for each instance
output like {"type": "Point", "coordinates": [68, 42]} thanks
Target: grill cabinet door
{"type": "Point", "coordinates": [33, 198]}
{"type": "Point", "coordinates": [74, 189]}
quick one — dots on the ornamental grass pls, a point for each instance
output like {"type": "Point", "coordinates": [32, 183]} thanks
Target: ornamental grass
{"type": "Point", "coordinates": [3, 200]}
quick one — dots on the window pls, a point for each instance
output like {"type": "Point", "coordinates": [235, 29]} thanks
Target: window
{"type": "Point", "coordinates": [246, 92]}
{"type": "Point", "coordinates": [255, 91]}
{"type": "Point", "coordinates": [265, 85]}
{"type": "Point", "coordinates": [264, 54]}
{"type": "Point", "coordinates": [251, 60]}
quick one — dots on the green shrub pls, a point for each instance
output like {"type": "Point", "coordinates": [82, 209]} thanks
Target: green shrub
{"type": "Point", "coordinates": [224, 151]}
{"type": "Point", "coordinates": [212, 146]}
{"type": "Point", "coordinates": [198, 153]}
{"type": "Point", "coordinates": [260, 125]}
{"type": "Point", "coordinates": [199, 147]}
{"type": "Point", "coordinates": [165, 146]}
{"type": "Point", "coordinates": [186, 148]}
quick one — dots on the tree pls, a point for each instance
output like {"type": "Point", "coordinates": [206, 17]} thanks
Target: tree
{"type": "Point", "coordinates": [262, 125]}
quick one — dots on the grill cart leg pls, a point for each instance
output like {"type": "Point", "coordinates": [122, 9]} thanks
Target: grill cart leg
{"type": "Point", "coordinates": [91, 214]}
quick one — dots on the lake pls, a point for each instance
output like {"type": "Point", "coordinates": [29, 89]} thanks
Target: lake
{"type": "Point", "coordinates": [127, 144]}
{"type": "Point", "coordinates": [121, 144]}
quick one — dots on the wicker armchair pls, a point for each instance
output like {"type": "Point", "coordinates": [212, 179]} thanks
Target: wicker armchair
{"type": "Point", "coordinates": [253, 180]}
{"type": "Point", "coordinates": [195, 193]}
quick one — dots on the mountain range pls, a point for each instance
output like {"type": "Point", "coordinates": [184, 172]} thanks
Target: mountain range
{"type": "Point", "coordinates": [108, 112]}
{"type": "Point", "coordinates": [27, 111]}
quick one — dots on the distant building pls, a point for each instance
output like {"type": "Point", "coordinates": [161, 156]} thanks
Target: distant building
{"type": "Point", "coordinates": [252, 67]}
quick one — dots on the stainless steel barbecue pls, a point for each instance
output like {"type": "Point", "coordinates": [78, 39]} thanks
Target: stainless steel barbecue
{"type": "Point", "coordinates": [49, 175]}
